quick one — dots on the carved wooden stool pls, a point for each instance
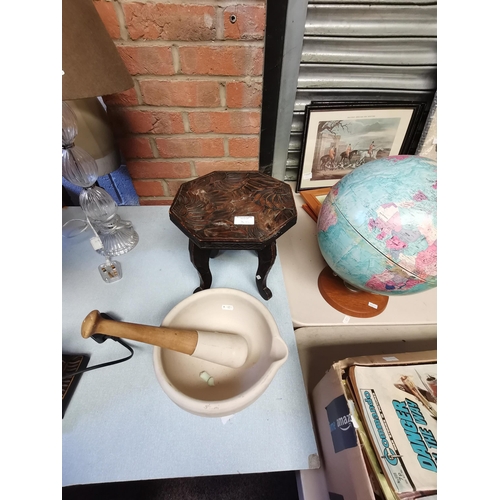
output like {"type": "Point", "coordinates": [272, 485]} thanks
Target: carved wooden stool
{"type": "Point", "coordinates": [233, 211]}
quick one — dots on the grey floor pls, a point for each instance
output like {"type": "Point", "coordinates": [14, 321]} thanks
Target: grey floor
{"type": "Point", "coordinates": [268, 486]}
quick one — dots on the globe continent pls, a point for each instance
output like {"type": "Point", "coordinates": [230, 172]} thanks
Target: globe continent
{"type": "Point", "coordinates": [377, 228]}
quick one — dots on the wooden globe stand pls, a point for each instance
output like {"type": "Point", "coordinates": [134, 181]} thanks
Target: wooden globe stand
{"type": "Point", "coordinates": [359, 304]}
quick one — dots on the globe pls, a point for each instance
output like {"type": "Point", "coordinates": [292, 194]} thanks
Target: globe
{"type": "Point", "coordinates": [377, 227]}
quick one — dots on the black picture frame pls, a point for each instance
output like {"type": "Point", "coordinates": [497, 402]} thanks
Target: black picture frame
{"type": "Point", "coordinates": [396, 125]}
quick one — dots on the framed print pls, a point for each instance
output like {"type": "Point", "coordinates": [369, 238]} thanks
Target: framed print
{"type": "Point", "coordinates": [428, 140]}
{"type": "Point", "coordinates": [314, 198]}
{"type": "Point", "coordinates": [339, 137]}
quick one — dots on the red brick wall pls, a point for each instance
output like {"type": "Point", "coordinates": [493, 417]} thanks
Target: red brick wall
{"type": "Point", "coordinates": [195, 105]}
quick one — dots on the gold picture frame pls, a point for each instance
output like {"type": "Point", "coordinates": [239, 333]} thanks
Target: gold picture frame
{"type": "Point", "coordinates": [314, 198]}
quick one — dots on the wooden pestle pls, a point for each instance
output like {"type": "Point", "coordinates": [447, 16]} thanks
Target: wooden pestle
{"type": "Point", "coordinates": [227, 349]}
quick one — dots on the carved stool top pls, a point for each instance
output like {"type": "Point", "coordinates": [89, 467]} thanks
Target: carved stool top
{"type": "Point", "coordinates": [234, 210]}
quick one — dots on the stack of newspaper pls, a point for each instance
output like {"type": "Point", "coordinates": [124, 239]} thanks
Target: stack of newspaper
{"type": "Point", "coordinates": [396, 414]}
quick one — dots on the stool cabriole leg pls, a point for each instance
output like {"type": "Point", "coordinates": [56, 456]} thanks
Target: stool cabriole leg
{"type": "Point", "coordinates": [200, 260]}
{"type": "Point", "coordinates": [267, 256]}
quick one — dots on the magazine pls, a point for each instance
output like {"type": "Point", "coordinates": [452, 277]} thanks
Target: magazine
{"type": "Point", "coordinates": [380, 485]}
{"type": "Point", "coordinates": [398, 408]}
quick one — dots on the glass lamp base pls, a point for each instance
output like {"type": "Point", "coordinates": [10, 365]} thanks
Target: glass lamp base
{"type": "Point", "coordinates": [117, 236]}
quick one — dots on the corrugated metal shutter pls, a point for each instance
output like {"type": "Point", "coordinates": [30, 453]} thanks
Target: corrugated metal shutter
{"type": "Point", "coordinates": [354, 50]}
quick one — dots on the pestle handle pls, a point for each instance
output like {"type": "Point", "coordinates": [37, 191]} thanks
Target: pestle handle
{"type": "Point", "coordinates": [179, 340]}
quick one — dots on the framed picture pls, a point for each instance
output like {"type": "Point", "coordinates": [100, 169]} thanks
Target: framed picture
{"type": "Point", "coordinates": [314, 198]}
{"type": "Point", "coordinates": [428, 140]}
{"type": "Point", "coordinates": [339, 137]}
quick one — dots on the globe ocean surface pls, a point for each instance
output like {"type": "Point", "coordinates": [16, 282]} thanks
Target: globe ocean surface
{"type": "Point", "coordinates": [377, 228]}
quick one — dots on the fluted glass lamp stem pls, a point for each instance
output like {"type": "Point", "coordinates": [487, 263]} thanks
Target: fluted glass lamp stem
{"type": "Point", "coordinates": [79, 168]}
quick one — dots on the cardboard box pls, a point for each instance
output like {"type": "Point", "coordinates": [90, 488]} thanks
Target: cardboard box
{"type": "Point", "coordinates": [342, 458]}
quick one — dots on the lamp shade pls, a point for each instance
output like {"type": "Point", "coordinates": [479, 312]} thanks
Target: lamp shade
{"type": "Point", "coordinates": [91, 63]}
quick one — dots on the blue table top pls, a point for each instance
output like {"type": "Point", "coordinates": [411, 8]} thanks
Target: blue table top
{"type": "Point", "coordinates": [120, 425]}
